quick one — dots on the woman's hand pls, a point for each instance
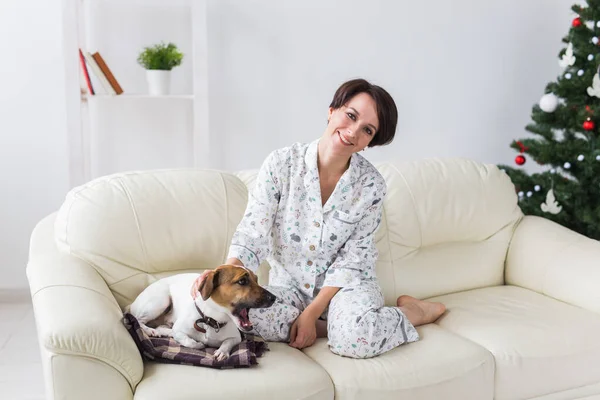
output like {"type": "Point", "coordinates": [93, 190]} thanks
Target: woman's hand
{"type": "Point", "coordinates": [304, 330]}
{"type": "Point", "coordinates": [194, 291]}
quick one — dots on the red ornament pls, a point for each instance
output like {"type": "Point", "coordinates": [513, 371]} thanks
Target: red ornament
{"type": "Point", "coordinates": [589, 125]}
{"type": "Point", "coordinates": [576, 22]}
{"type": "Point", "coordinates": [520, 159]}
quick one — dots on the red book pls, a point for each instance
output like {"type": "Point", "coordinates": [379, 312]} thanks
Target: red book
{"type": "Point", "coordinates": [86, 73]}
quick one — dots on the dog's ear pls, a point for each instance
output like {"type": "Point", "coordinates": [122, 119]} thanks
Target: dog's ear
{"type": "Point", "coordinates": [210, 283]}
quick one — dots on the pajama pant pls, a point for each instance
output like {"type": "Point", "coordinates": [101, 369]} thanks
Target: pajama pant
{"type": "Point", "coordinates": [358, 324]}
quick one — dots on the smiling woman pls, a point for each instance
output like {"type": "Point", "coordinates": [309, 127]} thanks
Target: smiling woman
{"type": "Point", "coordinates": [353, 125]}
{"type": "Point", "coordinates": [384, 106]}
{"type": "Point", "coordinates": [328, 194]}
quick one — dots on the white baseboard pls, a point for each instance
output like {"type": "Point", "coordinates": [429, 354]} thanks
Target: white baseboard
{"type": "Point", "coordinates": [15, 295]}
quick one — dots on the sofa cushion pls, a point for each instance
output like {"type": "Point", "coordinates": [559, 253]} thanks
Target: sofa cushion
{"type": "Point", "coordinates": [555, 261]}
{"type": "Point", "coordinates": [540, 345]}
{"type": "Point", "coordinates": [589, 392]}
{"type": "Point", "coordinates": [282, 373]}
{"type": "Point", "coordinates": [438, 364]}
{"type": "Point", "coordinates": [136, 227]}
{"type": "Point", "coordinates": [448, 218]}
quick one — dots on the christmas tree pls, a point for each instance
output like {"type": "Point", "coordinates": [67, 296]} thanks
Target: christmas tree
{"type": "Point", "coordinates": [565, 128]}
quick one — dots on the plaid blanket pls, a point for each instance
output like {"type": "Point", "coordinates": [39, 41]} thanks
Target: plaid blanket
{"type": "Point", "coordinates": [167, 350]}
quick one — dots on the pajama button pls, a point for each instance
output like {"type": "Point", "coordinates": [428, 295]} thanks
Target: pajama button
{"type": "Point", "coordinates": [309, 263]}
{"type": "Point", "coordinates": [307, 285]}
{"type": "Point", "coordinates": [317, 224]}
{"type": "Point", "coordinates": [312, 247]}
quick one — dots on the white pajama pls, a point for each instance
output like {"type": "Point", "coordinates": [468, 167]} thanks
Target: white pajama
{"type": "Point", "coordinates": [310, 246]}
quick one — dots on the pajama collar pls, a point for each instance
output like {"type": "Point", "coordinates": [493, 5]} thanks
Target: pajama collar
{"type": "Point", "coordinates": [311, 179]}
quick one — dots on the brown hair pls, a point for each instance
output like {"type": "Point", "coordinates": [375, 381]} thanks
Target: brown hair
{"type": "Point", "coordinates": [387, 114]}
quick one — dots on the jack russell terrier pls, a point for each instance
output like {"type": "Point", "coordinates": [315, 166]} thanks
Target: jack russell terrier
{"type": "Point", "coordinates": [165, 308]}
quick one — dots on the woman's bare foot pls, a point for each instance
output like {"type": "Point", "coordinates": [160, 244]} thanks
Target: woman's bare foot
{"type": "Point", "coordinates": [420, 312]}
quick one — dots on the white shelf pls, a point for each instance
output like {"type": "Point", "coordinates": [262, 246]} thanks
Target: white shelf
{"type": "Point", "coordinates": [124, 96]}
{"type": "Point", "coordinates": [136, 130]}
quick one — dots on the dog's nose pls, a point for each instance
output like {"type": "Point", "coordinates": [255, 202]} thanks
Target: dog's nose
{"type": "Point", "coordinates": [271, 297]}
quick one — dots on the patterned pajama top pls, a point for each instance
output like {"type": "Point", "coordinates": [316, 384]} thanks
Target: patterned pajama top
{"type": "Point", "coordinates": [307, 245]}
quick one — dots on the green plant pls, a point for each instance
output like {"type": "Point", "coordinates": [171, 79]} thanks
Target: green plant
{"type": "Point", "coordinates": [161, 56]}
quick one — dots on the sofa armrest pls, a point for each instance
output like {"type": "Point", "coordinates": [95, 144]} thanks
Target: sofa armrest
{"type": "Point", "coordinates": [550, 259]}
{"type": "Point", "coordinates": [77, 315]}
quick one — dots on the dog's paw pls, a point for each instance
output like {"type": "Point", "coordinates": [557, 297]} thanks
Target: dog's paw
{"type": "Point", "coordinates": [164, 330]}
{"type": "Point", "coordinates": [221, 355]}
{"type": "Point", "coordinates": [192, 344]}
{"type": "Point", "coordinates": [150, 331]}
{"type": "Point", "coordinates": [198, 346]}
{"type": "Point", "coordinates": [187, 341]}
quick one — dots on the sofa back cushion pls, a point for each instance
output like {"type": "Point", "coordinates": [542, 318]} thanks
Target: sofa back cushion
{"type": "Point", "coordinates": [446, 227]}
{"type": "Point", "coordinates": [134, 228]}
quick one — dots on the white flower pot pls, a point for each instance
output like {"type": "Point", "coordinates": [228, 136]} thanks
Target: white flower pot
{"type": "Point", "coordinates": [159, 82]}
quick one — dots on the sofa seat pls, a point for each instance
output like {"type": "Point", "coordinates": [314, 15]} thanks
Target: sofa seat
{"type": "Point", "coordinates": [440, 363]}
{"type": "Point", "coordinates": [282, 373]}
{"type": "Point", "coordinates": [540, 345]}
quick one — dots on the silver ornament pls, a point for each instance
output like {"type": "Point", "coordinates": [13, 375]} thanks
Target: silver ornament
{"type": "Point", "coordinates": [537, 188]}
{"type": "Point", "coordinates": [580, 157]}
{"type": "Point", "coordinates": [567, 165]}
{"type": "Point", "coordinates": [590, 57]}
{"type": "Point", "coordinates": [552, 171]}
{"type": "Point", "coordinates": [521, 194]}
{"type": "Point", "coordinates": [580, 72]}
{"type": "Point", "coordinates": [568, 75]}
{"type": "Point", "coordinates": [598, 157]}
{"type": "Point", "coordinates": [529, 194]}
{"type": "Point", "coordinates": [595, 40]}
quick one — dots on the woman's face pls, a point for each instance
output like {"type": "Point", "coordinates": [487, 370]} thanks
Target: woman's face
{"type": "Point", "coordinates": [352, 126]}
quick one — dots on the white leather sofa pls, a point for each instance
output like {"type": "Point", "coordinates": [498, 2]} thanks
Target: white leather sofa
{"type": "Point", "coordinates": [523, 293]}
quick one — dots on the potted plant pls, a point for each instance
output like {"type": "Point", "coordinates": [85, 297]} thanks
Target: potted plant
{"type": "Point", "coordinates": [159, 60]}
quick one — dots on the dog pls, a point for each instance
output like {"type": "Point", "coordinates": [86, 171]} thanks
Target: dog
{"type": "Point", "coordinates": [165, 308]}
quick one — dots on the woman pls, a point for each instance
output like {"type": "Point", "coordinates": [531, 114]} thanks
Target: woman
{"type": "Point", "coordinates": [313, 215]}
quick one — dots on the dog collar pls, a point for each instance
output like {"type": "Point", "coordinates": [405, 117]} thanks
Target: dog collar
{"type": "Point", "coordinates": [213, 323]}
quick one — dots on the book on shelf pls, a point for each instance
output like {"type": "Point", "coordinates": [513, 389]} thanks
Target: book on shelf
{"type": "Point", "coordinates": [107, 72]}
{"type": "Point", "coordinates": [86, 74]}
{"type": "Point", "coordinates": [98, 72]}
{"type": "Point", "coordinates": [107, 80]}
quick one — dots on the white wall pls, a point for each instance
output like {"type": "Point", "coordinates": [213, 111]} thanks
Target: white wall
{"type": "Point", "coordinates": [464, 74]}
{"type": "Point", "coordinates": [33, 168]}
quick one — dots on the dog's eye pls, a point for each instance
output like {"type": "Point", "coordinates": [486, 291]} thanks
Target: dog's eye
{"type": "Point", "coordinates": [243, 282]}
